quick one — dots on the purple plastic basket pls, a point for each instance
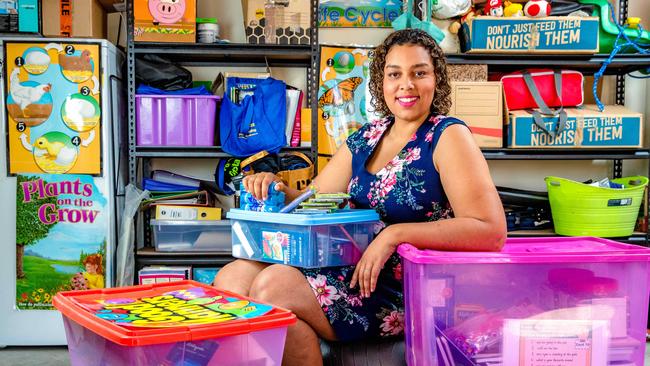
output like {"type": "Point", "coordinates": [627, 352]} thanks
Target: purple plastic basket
{"type": "Point", "coordinates": [456, 303]}
{"type": "Point", "coordinates": [175, 120]}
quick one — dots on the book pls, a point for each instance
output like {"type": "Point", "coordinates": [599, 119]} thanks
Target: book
{"type": "Point", "coordinates": [305, 127]}
{"type": "Point", "coordinates": [293, 98]}
{"type": "Point", "coordinates": [297, 123]}
{"type": "Point", "coordinates": [192, 213]}
{"type": "Point", "coordinates": [161, 274]}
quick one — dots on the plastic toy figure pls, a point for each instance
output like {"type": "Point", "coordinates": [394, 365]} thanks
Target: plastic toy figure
{"type": "Point", "coordinates": [494, 8]}
{"type": "Point", "coordinates": [537, 8]}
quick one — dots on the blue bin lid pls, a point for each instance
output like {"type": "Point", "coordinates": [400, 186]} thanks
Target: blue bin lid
{"type": "Point", "coordinates": [339, 217]}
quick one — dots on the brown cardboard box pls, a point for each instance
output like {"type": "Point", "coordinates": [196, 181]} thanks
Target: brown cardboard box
{"type": "Point", "coordinates": [282, 25]}
{"type": "Point", "coordinates": [176, 23]}
{"type": "Point", "coordinates": [73, 18]}
{"type": "Point", "coordinates": [116, 29]}
{"type": "Point", "coordinates": [480, 106]}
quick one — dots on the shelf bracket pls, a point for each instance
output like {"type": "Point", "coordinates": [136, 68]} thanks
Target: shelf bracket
{"type": "Point", "coordinates": [618, 168]}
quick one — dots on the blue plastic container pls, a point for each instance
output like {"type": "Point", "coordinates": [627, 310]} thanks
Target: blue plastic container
{"type": "Point", "coordinates": [302, 240]}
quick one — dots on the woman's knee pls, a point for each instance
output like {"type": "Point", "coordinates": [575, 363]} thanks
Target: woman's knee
{"type": "Point", "coordinates": [276, 284]}
{"type": "Point", "coordinates": [237, 276]}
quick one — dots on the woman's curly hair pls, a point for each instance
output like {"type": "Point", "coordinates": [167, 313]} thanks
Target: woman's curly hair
{"type": "Point", "coordinates": [442, 96]}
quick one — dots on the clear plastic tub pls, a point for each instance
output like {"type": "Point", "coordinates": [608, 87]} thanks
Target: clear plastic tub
{"type": "Point", "coordinates": [582, 296]}
{"type": "Point", "coordinates": [100, 327]}
{"type": "Point", "coordinates": [191, 235]}
{"type": "Point", "coordinates": [175, 120]}
{"type": "Point", "coordinates": [302, 240]}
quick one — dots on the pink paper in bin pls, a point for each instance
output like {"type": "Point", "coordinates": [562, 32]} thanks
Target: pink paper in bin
{"type": "Point", "coordinates": [558, 277]}
{"type": "Point", "coordinates": [176, 120]}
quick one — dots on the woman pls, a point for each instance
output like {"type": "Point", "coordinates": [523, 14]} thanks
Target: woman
{"type": "Point", "coordinates": [414, 166]}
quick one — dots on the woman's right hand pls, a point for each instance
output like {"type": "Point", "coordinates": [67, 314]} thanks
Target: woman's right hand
{"type": "Point", "coordinates": [258, 184]}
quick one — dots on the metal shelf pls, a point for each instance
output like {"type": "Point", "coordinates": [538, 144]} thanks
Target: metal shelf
{"type": "Point", "coordinates": [565, 154]}
{"type": "Point", "coordinates": [149, 256]}
{"type": "Point", "coordinates": [622, 64]}
{"type": "Point", "coordinates": [194, 152]}
{"type": "Point", "coordinates": [228, 54]}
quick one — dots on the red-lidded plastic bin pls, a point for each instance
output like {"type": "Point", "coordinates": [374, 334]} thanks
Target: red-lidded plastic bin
{"type": "Point", "coordinates": [175, 120]}
{"type": "Point", "coordinates": [178, 323]}
{"type": "Point", "coordinates": [540, 301]}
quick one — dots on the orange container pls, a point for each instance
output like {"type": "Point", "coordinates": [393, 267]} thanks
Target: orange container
{"type": "Point", "coordinates": [184, 322]}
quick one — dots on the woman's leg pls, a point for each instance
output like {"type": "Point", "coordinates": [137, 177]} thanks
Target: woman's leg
{"type": "Point", "coordinates": [287, 287]}
{"type": "Point", "coordinates": [237, 276]}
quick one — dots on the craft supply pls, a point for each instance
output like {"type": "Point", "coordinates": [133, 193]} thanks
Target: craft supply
{"type": "Point", "coordinates": [207, 30]}
{"type": "Point", "coordinates": [298, 200]}
{"type": "Point", "coordinates": [273, 203]}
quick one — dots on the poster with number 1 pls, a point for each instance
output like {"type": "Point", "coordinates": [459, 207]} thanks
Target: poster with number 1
{"type": "Point", "coordinates": [53, 106]}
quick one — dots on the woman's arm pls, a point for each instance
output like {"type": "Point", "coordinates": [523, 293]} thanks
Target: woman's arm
{"type": "Point", "coordinates": [333, 178]}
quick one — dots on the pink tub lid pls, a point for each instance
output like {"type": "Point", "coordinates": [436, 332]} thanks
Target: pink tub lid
{"type": "Point", "coordinates": [536, 250]}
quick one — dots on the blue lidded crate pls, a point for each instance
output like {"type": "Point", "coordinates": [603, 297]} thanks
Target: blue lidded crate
{"type": "Point", "coordinates": [302, 240]}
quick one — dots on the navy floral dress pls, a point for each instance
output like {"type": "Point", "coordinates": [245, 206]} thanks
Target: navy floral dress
{"type": "Point", "coordinates": [407, 189]}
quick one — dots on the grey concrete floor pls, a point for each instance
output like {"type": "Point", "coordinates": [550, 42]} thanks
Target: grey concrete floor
{"type": "Point", "coordinates": [58, 356]}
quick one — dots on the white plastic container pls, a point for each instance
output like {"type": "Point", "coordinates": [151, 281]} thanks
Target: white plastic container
{"type": "Point", "coordinates": [207, 30]}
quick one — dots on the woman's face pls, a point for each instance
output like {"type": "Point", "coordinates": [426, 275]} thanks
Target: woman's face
{"type": "Point", "coordinates": [91, 268]}
{"type": "Point", "coordinates": [409, 82]}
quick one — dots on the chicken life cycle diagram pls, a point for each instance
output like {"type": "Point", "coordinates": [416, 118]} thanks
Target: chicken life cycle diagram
{"type": "Point", "coordinates": [53, 107]}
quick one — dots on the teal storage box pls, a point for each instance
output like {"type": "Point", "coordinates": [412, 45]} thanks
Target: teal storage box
{"type": "Point", "coordinates": [19, 16]}
{"type": "Point", "coordinates": [586, 127]}
{"type": "Point", "coordinates": [487, 34]}
{"type": "Point", "coordinates": [302, 240]}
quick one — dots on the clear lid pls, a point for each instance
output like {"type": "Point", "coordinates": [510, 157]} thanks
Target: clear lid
{"type": "Point", "coordinates": [536, 250]}
{"type": "Point", "coordinates": [346, 216]}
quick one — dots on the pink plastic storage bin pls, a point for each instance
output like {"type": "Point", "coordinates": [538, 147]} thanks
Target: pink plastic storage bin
{"type": "Point", "coordinates": [174, 329]}
{"type": "Point", "coordinates": [538, 299]}
{"type": "Point", "coordinates": [175, 120]}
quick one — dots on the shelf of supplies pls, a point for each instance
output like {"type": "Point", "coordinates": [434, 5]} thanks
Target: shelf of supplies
{"type": "Point", "coordinates": [240, 54]}
{"type": "Point", "coordinates": [194, 152]}
{"type": "Point", "coordinates": [621, 64]}
{"type": "Point", "coordinates": [149, 256]}
{"type": "Point", "coordinates": [565, 154]}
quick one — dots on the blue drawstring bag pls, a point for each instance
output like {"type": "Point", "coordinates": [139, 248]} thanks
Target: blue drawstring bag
{"type": "Point", "coordinates": [257, 123]}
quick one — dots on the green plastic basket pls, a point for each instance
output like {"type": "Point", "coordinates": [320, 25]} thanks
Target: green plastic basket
{"type": "Point", "coordinates": [579, 209]}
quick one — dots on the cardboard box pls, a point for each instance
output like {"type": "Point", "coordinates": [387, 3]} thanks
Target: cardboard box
{"type": "Point", "coordinates": [177, 23]}
{"type": "Point", "coordinates": [279, 25]}
{"type": "Point", "coordinates": [530, 35]}
{"type": "Point", "coordinates": [73, 18]}
{"type": "Point", "coordinates": [460, 72]}
{"type": "Point", "coordinates": [20, 16]}
{"type": "Point", "coordinates": [480, 106]}
{"type": "Point", "coordinates": [586, 127]}
{"type": "Point", "coordinates": [116, 29]}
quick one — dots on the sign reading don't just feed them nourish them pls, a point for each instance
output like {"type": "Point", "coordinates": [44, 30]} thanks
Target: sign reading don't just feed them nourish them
{"type": "Point", "coordinates": [550, 34]}
{"type": "Point", "coordinates": [358, 13]}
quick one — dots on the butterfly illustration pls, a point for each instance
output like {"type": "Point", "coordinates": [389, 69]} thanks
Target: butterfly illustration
{"type": "Point", "coordinates": [341, 94]}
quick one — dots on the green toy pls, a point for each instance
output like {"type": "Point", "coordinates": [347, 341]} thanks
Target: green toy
{"type": "Point", "coordinates": [609, 30]}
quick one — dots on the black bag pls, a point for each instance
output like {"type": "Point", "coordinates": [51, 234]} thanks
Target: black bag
{"type": "Point", "coordinates": [160, 73]}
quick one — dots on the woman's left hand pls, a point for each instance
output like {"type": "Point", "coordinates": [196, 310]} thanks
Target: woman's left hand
{"type": "Point", "coordinates": [372, 261]}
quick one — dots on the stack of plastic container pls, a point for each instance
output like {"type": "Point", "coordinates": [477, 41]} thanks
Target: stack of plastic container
{"type": "Point", "coordinates": [179, 323]}
{"type": "Point", "coordinates": [540, 301]}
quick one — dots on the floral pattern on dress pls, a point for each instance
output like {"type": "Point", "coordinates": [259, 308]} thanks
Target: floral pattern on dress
{"type": "Point", "coordinates": [439, 212]}
{"type": "Point", "coordinates": [400, 176]}
{"type": "Point", "coordinates": [341, 306]}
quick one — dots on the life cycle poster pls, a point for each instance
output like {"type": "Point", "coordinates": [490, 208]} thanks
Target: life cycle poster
{"type": "Point", "coordinates": [53, 107]}
{"type": "Point", "coordinates": [61, 226]}
{"type": "Point", "coordinates": [358, 13]}
{"type": "Point", "coordinates": [343, 96]}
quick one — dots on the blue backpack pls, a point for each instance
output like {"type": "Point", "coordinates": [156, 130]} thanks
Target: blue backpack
{"type": "Point", "coordinates": [257, 123]}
